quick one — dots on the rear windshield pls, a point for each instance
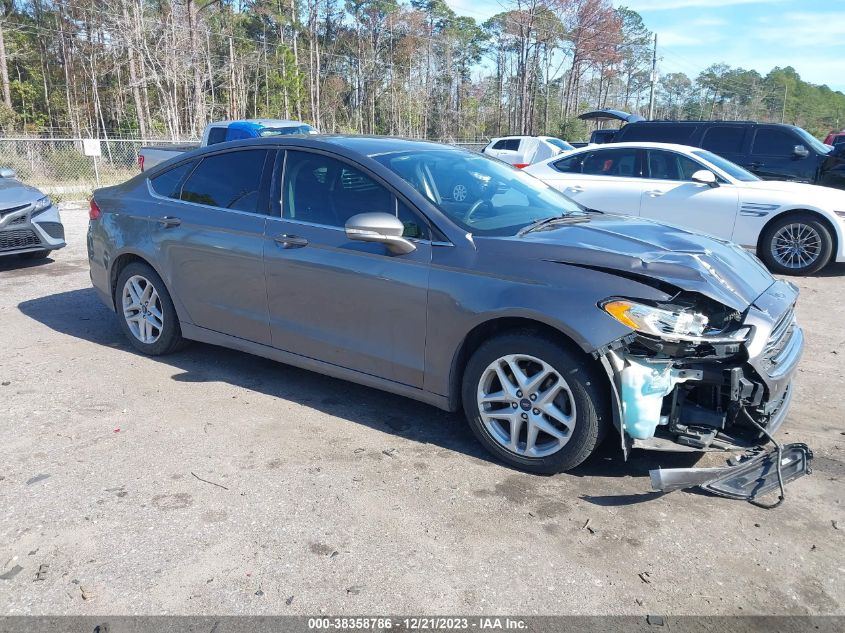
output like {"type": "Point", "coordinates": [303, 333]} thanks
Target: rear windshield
{"type": "Point", "coordinates": [559, 143]}
{"type": "Point", "coordinates": [281, 131]}
{"type": "Point", "coordinates": [732, 169]}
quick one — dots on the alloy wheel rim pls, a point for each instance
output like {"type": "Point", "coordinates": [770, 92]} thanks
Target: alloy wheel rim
{"type": "Point", "coordinates": [796, 245]}
{"type": "Point", "coordinates": [526, 405]}
{"type": "Point", "coordinates": [142, 309]}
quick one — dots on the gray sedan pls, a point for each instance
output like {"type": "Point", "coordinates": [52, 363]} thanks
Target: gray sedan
{"type": "Point", "coordinates": [30, 225]}
{"type": "Point", "coordinates": [549, 324]}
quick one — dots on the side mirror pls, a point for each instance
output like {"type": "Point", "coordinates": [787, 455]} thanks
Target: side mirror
{"type": "Point", "coordinates": [5, 172]}
{"type": "Point", "coordinates": [800, 151]}
{"type": "Point", "coordinates": [382, 228]}
{"type": "Point", "coordinates": [705, 177]}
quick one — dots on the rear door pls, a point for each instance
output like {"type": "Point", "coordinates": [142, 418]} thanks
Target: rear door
{"type": "Point", "coordinates": [672, 197]}
{"type": "Point", "coordinates": [209, 230]}
{"type": "Point", "coordinates": [607, 179]}
{"type": "Point", "coordinates": [353, 304]}
{"type": "Point", "coordinates": [773, 155]}
{"type": "Point", "coordinates": [727, 141]}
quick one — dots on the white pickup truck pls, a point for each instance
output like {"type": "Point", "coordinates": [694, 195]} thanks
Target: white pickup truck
{"type": "Point", "coordinates": [220, 132]}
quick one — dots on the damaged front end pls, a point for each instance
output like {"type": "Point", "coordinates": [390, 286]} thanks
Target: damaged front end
{"type": "Point", "coordinates": [696, 375]}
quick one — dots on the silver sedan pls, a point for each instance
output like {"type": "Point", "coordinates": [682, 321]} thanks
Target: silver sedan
{"type": "Point", "coordinates": [30, 225]}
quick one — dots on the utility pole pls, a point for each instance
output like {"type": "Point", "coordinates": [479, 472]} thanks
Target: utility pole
{"type": "Point", "coordinates": [783, 111]}
{"type": "Point", "coordinates": [653, 79]}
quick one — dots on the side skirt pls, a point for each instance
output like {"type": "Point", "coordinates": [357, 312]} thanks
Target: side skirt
{"type": "Point", "coordinates": [203, 335]}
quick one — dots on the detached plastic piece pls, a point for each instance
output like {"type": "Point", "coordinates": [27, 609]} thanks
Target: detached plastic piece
{"type": "Point", "coordinates": [751, 478]}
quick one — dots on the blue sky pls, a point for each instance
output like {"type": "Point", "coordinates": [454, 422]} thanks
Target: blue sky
{"type": "Point", "coordinates": [808, 35]}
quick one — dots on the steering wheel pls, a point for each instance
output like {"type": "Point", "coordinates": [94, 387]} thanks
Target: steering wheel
{"type": "Point", "coordinates": [481, 202]}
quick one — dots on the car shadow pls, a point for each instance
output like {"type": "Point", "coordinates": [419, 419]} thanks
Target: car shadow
{"type": "Point", "coordinates": [15, 262]}
{"type": "Point", "coordinates": [832, 270]}
{"type": "Point", "coordinates": [80, 314]}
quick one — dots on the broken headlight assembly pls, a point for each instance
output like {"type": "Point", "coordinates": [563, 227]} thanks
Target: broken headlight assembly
{"type": "Point", "coordinates": [668, 322]}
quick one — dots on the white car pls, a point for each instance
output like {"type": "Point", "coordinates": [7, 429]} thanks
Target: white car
{"type": "Point", "coordinates": [794, 228]}
{"type": "Point", "coordinates": [521, 151]}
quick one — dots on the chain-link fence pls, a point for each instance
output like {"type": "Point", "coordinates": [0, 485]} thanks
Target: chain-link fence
{"type": "Point", "coordinates": [61, 168]}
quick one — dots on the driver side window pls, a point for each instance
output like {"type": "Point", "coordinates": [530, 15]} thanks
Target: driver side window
{"type": "Point", "coordinates": [322, 190]}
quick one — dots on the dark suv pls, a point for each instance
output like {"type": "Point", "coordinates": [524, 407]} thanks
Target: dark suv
{"type": "Point", "coordinates": [773, 151]}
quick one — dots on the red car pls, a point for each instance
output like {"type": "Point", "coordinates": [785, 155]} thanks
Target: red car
{"type": "Point", "coordinates": [834, 138]}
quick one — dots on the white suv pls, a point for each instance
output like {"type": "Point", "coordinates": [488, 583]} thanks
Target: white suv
{"type": "Point", "coordinates": [521, 151]}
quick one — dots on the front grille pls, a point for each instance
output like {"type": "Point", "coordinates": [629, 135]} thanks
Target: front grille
{"type": "Point", "coordinates": [21, 238]}
{"type": "Point", "coordinates": [5, 212]}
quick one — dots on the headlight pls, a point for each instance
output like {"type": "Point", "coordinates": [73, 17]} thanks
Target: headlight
{"type": "Point", "coordinates": [679, 325]}
{"type": "Point", "coordinates": [42, 204]}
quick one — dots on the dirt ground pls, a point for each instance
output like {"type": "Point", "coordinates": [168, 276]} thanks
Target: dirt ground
{"type": "Point", "coordinates": [212, 481]}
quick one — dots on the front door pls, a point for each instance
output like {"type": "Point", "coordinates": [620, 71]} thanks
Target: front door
{"type": "Point", "coordinates": [773, 156]}
{"type": "Point", "coordinates": [349, 303]}
{"type": "Point", "coordinates": [672, 197]}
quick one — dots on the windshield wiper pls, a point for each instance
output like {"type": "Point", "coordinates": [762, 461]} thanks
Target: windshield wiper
{"type": "Point", "coordinates": [555, 219]}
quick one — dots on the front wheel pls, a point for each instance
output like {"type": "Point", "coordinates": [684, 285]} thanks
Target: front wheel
{"type": "Point", "coordinates": [145, 311]}
{"type": "Point", "coordinates": [533, 403]}
{"type": "Point", "coordinates": [797, 244]}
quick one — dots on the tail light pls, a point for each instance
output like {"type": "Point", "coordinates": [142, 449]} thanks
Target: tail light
{"type": "Point", "coordinates": [521, 165]}
{"type": "Point", "coordinates": [141, 162]}
{"type": "Point", "coordinates": [94, 212]}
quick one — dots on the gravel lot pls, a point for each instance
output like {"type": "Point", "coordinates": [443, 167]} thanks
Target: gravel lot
{"type": "Point", "coordinates": [212, 481]}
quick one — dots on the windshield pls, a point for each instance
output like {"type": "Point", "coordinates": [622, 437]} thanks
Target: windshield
{"type": "Point", "coordinates": [280, 131]}
{"type": "Point", "coordinates": [559, 143]}
{"type": "Point", "coordinates": [732, 169]}
{"type": "Point", "coordinates": [479, 194]}
{"type": "Point", "coordinates": [812, 141]}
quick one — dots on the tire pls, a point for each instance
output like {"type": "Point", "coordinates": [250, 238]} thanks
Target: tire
{"type": "Point", "coordinates": [161, 340]}
{"type": "Point", "coordinates": [803, 228]}
{"type": "Point", "coordinates": [582, 395]}
{"type": "Point", "coordinates": [35, 255]}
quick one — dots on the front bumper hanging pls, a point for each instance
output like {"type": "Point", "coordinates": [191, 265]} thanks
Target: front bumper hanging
{"type": "Point", "coordinates": [752, 477]}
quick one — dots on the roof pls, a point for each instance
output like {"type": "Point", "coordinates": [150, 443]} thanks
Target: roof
{"type": "Point", "coordinates": [246, 123]}
{"type": "Point", "coordinates": [642, 145]}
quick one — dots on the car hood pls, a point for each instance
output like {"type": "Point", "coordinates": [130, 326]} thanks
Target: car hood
{"type": "Point", "coordinates": [797, 191]}
{"type": "Point", "coordinates": [14, 192]}
{"type": "Point", "coordinates": [647, 250]}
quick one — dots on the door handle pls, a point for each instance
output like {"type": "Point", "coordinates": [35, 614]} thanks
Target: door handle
{"type": "Point", "coordinates": [168, 221]}
{"type": "Point", "coordinates": [756, 165]}
{"type": "Point", "coordinates": [575, 188]}
{"type": "Point", "coordinates": [290, 241]}
{"type": "Point", "coordinates": [655, 193]}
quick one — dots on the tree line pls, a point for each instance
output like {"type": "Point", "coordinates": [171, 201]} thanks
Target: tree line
{"type": "Point", "coordinates": [164, 68]}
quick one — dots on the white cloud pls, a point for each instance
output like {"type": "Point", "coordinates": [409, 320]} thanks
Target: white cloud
{"type": "Point", "coordinates": [803, 29]}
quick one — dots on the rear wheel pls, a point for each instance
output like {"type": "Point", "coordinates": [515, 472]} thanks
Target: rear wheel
{"type": "Point", "coordinates": [796, 244]}
{"type": "Point", "coordinates": [145, 311]}
{"type": "Point", "coordinates": [533, 403]}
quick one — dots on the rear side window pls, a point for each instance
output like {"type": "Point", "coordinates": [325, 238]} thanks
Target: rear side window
{"type": "Point", "coordinates": [167, 183]}
{"type": "Point", "coordinates": [229, 181]}
{"type": "Point", "coordinates": [612, 162]}
{"type": "Point", "coordinates": [772, 142]}
{"type": "Point", "coordinates": [661, 133]}
{"type": "Point", "coordinates": [724, 139]}
{"type": "Point", "coordinates": [216, 135]}
{"type": "Point", "coordinates": [511, 144]}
